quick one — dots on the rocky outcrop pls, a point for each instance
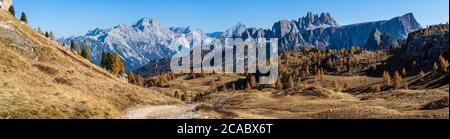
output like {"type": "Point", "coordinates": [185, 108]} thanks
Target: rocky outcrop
{"type": "Point", "coordinates": [378, 40]}
{"type": "Point", "coordinates": [424, 46]}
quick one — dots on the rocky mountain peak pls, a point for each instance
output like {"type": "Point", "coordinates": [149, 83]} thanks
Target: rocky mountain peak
{"type": "Point", "coordinates": [283, 27]}
{"type": "Point", "coordinates": [236, 30]}
{"type": "Point", "coordinates": [312, 21]}
{"type": "Point", "coordinates": [147, 23]}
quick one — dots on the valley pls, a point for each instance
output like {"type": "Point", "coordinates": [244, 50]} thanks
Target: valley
{"type": "Point", "coordinates": [388, 69]}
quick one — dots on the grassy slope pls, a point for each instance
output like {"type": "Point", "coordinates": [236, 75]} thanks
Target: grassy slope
{"type": "Point", "coordinates": [38, 81]}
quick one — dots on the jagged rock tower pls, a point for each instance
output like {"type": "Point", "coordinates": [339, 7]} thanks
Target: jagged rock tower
{"type": "Point", "coordinates": [5, 4]}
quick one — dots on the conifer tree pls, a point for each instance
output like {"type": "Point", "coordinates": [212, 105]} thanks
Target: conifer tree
{"type": "Point", "coordinates": [183, 97]}
{"type": "Point", "coordinates": [176, 95]}
{"type": "Point", "coordinates": [337, 86]}
{"type": "Point", "coordinates": [117, 65]}
{"type": "Point", "coordinates": [377, 88]}
{"type": "Point", "coordinates": [386, 78]}
{"type": "Point", "coordinates": [85, 52]}
{"type": "Point", "coordinates": [132, 78]}
{"type": "Point", "coordinates": [435, 66]}
{"type": "Point", "coordinates": [279, 85]}
{"type": "Point", "coordinates": [47, 35]}
{"type": "Point", "coordinates": [23, 18]}
{"type": "Point", "coordinates": [404, 72]}
{"type": "Point", "coordinates": [140, 81]}
{"type": "Point", "coordinates": [346, 85]}
{"type": "Point", "coordinates": [12, 11]}
{"type": "Point", "coordinates": [443, 63]}
{"type": "Point", "coordinates": [72, 45]}
{"type": "Point", "coordinates": [77, 49]}
{"type": "Point", "coordinates": [106, 61]}
{"type": "Point", "coordinates": [397, 80]}
{"type": "Point", "coordinates": [422, 75]}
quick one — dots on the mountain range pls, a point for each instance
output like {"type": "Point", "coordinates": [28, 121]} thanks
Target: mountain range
{"type": "Point", "coordinates": [147, 40]}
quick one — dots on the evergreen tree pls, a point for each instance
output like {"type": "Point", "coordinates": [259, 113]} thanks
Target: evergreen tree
{"type": "Point", "coordinates": [176, 95]}
{"type": "Point", "coordinates": [12, 10]}
{"type": "Point", "coordinates": [106, 61]}
{"type": "Point", "coordinates": [23, 18]}
{"type": "Point", "coordinates": [72, 45]}
{"type": "Point", "coordinates": [183, 97]}
{"type": "Point", "coordinates": [47, 35]}
{"type": "Point", "coordinates": [85, 52]}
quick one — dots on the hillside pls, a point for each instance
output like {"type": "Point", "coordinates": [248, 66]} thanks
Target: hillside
{"type": "Point", "coordinates": [39, 79]}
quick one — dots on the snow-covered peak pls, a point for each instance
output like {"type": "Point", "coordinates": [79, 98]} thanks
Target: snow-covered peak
{"type": "Point", "coordinates": [236, 30]}
{"type": "Point", "coordinates": [145, 23]}
{"type": "Point", "coordinates": [141, 42]}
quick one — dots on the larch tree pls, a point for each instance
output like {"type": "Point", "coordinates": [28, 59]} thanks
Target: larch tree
{"type": "Point", "coordinates": [117, 64]}
{"type": "Point", "coordinates": [337, 86]}
{"type": "Point", "coordinates": [443, 63]}
{"type": "Point", "coordinates": [397, 80]}
{"type": "Point", "coordinates": [279, 85]}
{"type": "Point", "coordinates": [377, 88]}
{"type": "Point", "coordinates": [422, 75]}
{"type": "Point", "coordinates": [346, 85]}
{"type": "Point", "coordinates": [140, 81]}
{"type": "Point", "coordinates": [386, 78]}
{"type": "Point", "coordinates": [132, 78]}
{"type": "Point", "coordinates": [404, 72]}
{"type": "Point", "coordinates": [435, 66]}
{"type": "Point", "coordinates": [77, 49]}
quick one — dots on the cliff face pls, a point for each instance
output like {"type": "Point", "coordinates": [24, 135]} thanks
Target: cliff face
{"type": "Point", "coordinates": [423, 48]}
{"type": "Point", "coordinates": [426, 45]}
{"type": "Point", "coordinates": [378, 40]}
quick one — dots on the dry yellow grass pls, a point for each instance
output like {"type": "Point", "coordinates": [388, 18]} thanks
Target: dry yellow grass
{"type": "Point", "coordinates": [38, 81]}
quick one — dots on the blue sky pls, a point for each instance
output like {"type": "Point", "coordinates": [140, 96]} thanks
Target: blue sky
{"type": "Point", "coordinates": [76, 17]}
